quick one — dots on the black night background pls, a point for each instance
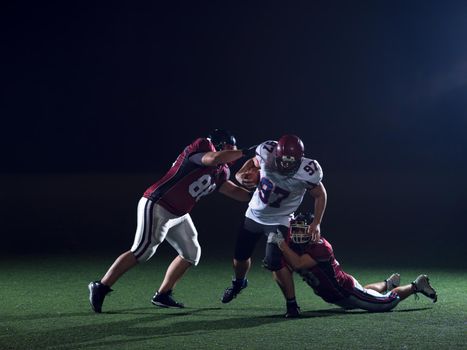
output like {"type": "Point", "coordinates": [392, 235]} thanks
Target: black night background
{"type": "Point", "coordinates": [99, 98]}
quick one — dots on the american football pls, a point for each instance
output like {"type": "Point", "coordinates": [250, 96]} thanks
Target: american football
{"type": "Point", "coordinates": [251, 177]}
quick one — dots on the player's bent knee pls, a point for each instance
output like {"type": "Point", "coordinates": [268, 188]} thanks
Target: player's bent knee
{"type": "Point", "coordinates": [243, 252]}
{"type": "Point", "coordinates": [272, 265]}
{"type": "Point", "coordinates": [146, 254]}
{"type": "Point", "coordinates": [380, 304]}
{"type": "Point", "coordinates": [273, 259]}
{"type": "Point", "coordinates": [192, 257]}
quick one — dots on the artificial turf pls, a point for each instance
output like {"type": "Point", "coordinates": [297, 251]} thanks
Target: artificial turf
{"type": "Point", "coordinates": [44, 305]}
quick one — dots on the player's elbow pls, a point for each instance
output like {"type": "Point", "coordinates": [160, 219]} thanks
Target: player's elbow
{"type": "Point", "coordinates": [211, 159]}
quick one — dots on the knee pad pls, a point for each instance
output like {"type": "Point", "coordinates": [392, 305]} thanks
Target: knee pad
{"type": "Point", "coordinates": [273, 259]}
{"type": "Point", "coordinates": [193, 256]}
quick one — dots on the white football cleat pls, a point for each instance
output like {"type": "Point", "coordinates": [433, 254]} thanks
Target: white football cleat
{"type": "Point", "coordinates": [393, 281]}
{"type": "Point", "coordinates": [422, 285]}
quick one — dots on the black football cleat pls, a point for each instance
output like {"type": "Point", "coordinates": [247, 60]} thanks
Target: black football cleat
{"type": "Point", "coordinates": [293, 311]}
{"type": "Point", "coordinates": [165, 300]}
{"type": "Point", "coordinates": [97, 293]}
{"type": "Point", "coordinates": [232, 292]}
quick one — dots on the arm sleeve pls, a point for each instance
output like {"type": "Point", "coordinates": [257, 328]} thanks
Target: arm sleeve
{"type": "Point", "coordinates": [196, 158]}
{"type": "Point", "coordinates": [198, 149]}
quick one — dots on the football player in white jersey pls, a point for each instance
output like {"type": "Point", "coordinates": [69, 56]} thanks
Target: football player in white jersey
{"type": "Point", "coordinates": [285, 175]}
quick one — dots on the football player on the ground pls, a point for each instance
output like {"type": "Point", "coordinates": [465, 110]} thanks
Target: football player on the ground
{"type": "Point", "coordinates": [316, 264]}
{"type": "Point", "coordinates": [163, 213]}
{"type": "Point", "coordinates": [285, 176]}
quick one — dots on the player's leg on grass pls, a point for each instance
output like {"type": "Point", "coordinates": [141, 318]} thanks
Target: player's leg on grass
{"type": "Point", "coordinates": [241, 268]}
{"type": "Point", "coordinates": [368, 299]}
{"type": "Point", "coordinates": [183, 236]}
{"type": "Point", "coordinates": [284, 279]}
{"type": "Point", "coordinates": [163, 297]}
{"type": "Point", "coordinates": [121, 265]}
{"type": "Point", "coordinates": [377, 286]}
{"type": "Point", "coordinates": [99, 289]}
{"type": "Point", "coordinates": [404, 291]}
{"type": "Point", "coordinates": [175, 271]}
{"type": "Point", "coordinates": [422, 285]}
{"type": "Point", "coordinates": [153, 222]}
{"type": "Point", "coordinates": [247, 238]}
{"type": "Point", "coordinates": [149, 235]}
{"type": "Point", "coordinates": [239, 281]}
{"type": "Point", "coordinates": [274, 262]}
{"type": "Point", "coordinates": [388, 284]}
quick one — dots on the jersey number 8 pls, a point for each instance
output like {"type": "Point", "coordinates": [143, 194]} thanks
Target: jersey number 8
{"type": "Point", "coordinates": [201, 187]}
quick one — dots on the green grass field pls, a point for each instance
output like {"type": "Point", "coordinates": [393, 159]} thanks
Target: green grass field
{"type": "Point", "coordinates": [44, 305]}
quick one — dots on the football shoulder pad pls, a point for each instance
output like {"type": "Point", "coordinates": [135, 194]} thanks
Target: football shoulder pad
{"type": "Point", "coordinates": [265, 151]}
{"type": "Point", "coordinates": [310, 172]}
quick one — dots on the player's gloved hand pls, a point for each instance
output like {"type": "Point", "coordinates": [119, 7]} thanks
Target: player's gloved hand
{"type": "Point", "coordinates": [249, 152]}
{"type": "Point", "coordinates": [275, 238]}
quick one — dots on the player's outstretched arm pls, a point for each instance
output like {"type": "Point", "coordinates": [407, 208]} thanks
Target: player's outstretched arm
{"type": "Point", "coordinates": [225, 156]}
{"type": "Point", "coordinates": [297, 262]}
{"type": "Point", "coordinates": [233, 191]}
{"type": "Point", "coordinates": [320, 195]}
{"type": "Point", "coordinates": [221, 157]}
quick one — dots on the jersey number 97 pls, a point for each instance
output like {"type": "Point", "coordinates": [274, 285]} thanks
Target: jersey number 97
{"type": "Point", "coordinates": [266, 188]}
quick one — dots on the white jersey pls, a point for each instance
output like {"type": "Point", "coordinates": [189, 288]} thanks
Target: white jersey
{"type": "Point", "coordinates": [278, 196]}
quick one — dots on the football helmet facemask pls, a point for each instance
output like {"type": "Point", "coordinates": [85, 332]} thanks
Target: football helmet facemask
{"type": "Point", "coordinates": [289, 154]}
{"type": "Point", "coordinates": [222, 137]}
{"type": "Point", "coordinates": [299, 227]}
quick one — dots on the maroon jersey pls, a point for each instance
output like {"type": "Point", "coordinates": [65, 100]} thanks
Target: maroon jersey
{"type": "Point", "coordinates": [327, 278]}
{"type": "Point", "coordinates": [186, 182]}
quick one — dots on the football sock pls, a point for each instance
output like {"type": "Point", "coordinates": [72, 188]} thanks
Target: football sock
{"type": "Point", "coordinates": [238, 282]}
{"type": "Point", "coordinates": [291, 302]}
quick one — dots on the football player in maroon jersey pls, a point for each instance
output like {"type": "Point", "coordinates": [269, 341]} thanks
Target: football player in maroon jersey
{"type": "Point", "coordinates": [163, 213]}
{"type": "Point", "coordinates": [316, 264]}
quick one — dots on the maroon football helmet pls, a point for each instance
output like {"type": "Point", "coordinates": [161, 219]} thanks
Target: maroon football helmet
{"type": "Point", "coordinates": [299, 227]}
{"type": "Point", "coordinates": [289, 154]}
